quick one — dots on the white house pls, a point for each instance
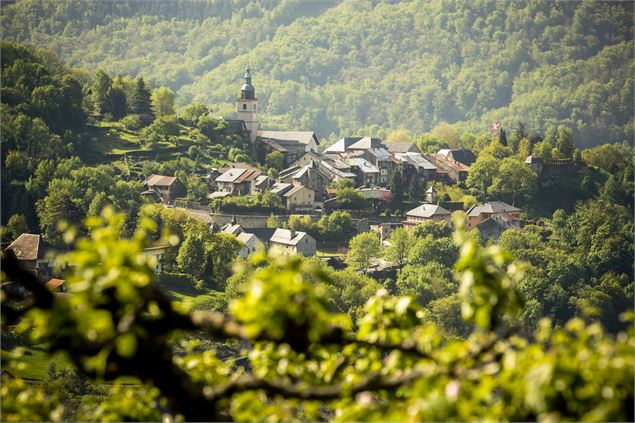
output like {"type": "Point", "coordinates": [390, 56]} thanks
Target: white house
{"type": "Point", "coordinates": [293, 242]}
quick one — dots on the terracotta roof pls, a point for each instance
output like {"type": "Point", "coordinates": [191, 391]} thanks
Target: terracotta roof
{"type": "Point", "coordinates": [28, 247]}
{"type": "Point", "coordinates": [160, 180]}
{"type": "Point", "coordinates": [55, 282]}
{"type": "Point", "coordinates": [248, 175]}
{"type": "Point", "coordinates": [303, 137]}
{"type": "Point", "coordinates": [440, 158]}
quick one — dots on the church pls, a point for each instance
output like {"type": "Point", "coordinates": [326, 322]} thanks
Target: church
{"type": "Point", "coordinates": [291, 144]}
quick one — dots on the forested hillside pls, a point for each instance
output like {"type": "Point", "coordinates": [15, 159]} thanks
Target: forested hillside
{"type": "Point", "coordinates": [364, 67]}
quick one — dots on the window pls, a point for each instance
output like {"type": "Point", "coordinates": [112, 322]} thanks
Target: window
{"type": "Point", "coordinates": [244, 107]}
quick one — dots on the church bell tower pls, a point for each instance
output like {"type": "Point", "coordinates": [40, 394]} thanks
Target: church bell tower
{"type": "Point", "coordinates": [247, 106]}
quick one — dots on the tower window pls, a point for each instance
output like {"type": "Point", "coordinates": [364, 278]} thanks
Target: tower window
{"type": "Point", "coordinates": [244, 107]}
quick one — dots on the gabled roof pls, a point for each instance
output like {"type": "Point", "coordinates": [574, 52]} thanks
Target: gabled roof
{"type": "Point", "coordinates": [428, 210]}
{"type": "Point", "coordinates": [402, 147]}
{"type": "Point", "coordinates": [294, 190]}
{"type": "Point", "coordinates": [288, 237]}
{"type": "Point", "coordinates": [231, 175]}
{"type": "Point", "coordinates": [248, 175]}
{"type": "Point", "coordinates": [245, 237]}
{"type": "Point", "coordinates": [303, 137]}
{"type": "Point", "coordinates": [491, 207]}
{"type": "Point", "coordinates": [28, 247]}
{"type": "Point", "coordinates": [451, 163]}
{"type": "Point", "coordinates": [460, 155]}
{"type": "Point", "coordinates": [367, 143]}
{"type": "Point", "coordinates": [342, 145]}
{"type": "Point", "coordinates": [263, 234]}
{"type": "Point", "coordinates": [261, 179]}
{"type": "Point", "coordinates": [231, 228]}
{"type": "Point", "coordinates": [160, 180]}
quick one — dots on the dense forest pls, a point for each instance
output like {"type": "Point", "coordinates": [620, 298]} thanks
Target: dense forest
{"type": "Point", "coordinates": [364, 67]}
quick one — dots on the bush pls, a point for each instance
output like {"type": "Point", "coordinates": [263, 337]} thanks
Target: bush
{"type": "Point", "coordinates": [132, 122]}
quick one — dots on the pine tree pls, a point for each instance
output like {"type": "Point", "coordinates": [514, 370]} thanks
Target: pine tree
{"type": "Point", "coordinates": [414, 189]}
{"type": "Point", "coordinates": [502, 137]}
{"type": "Point", "coordinates": [396, 189]}
{"type": "Point", "coordinates": [141, 104]}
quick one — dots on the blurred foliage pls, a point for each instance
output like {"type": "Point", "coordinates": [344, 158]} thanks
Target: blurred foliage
{"type": "Point", "coordinates": [304, 360]}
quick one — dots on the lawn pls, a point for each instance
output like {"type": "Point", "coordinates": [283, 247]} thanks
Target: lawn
{"type": "Point", "coordinates": [36, 362]}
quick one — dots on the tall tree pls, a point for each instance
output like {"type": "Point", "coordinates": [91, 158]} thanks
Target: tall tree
{"type": "Point", "coordinates": [400, 243]}
{"type": "Point", "coordinates": [482, 173]}
{"type": "Point", "coordinates": [100, 91]}
{"type": "Point", "coordinates": [362, 250]}
{"type": "Point", "coordinates": [502, 137]}
{"type": "Point", "coordinates": [414, 188]}
{"type": "Point", "coordinates": [396, 190]}
{"type": "Point", "coordinates": [162, 101]}
{"type": "Point", "coordinates": [141, 104]}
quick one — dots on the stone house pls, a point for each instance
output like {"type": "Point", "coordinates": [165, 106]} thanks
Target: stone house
{"type": "Point", "coordinates": [167, 187]}
{"type": "Point", "coordinates": [30, 250]}
{"type": "Point", "coordinates": [427, 212]}
{"type": "Point", "coordinates": [293, 242]}
{"type": "Point", "coordinates": [299, 198]}
{"type": "Point", "coordinates": [480, 212]}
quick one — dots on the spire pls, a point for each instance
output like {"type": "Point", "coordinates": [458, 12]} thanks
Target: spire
{"type": "Point", "coordinates": [234, 218]}
{"type": "Point", "coordinates": [247, 91]}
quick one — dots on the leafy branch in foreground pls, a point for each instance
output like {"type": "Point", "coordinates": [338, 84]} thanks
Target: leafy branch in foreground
{"type": "Point", "coordinates": [305, 361]}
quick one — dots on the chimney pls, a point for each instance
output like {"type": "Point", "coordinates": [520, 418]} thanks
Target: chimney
{"type": "Point", "coordinates": [291, 233]}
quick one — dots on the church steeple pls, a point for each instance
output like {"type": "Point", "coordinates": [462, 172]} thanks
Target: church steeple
{"type": "Point", "coordinates": [247, 106]}
{"type": "Point", "coordinates": [247, 91]}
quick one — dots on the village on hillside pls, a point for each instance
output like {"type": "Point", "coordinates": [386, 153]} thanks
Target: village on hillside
{"type": "Point", "coordinates": [309, 184]}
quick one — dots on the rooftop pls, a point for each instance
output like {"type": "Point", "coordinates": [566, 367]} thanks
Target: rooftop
{"type": "Point", "coordinates": [342, 145]}
{"type": "Point", "coordinates": [402, 147]}
{"type": "Point", "coordinates": [28, 247]}
{"type": "Point", "coordinates": [491, 207]}
{"type": "Point", "coordinates": [160, 180]}
{"type": "Point", "coordinates": [287, 237]}
{"type": "Point", "coordinates": [428, 210]}
{"type": "Point", "coordinates": [231, 175]}
{"type": "Point", "coordinates": [294, 190]}
{"type": "Point", "coordinates": [367, 143]}
{"type": "Point", "coordinates": [364, 165]}
{"type": "Point", "coordinates": [303, 137]}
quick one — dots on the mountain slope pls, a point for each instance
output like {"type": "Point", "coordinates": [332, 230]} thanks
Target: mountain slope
{"type": "Point", "coordinates": [357, 66]}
